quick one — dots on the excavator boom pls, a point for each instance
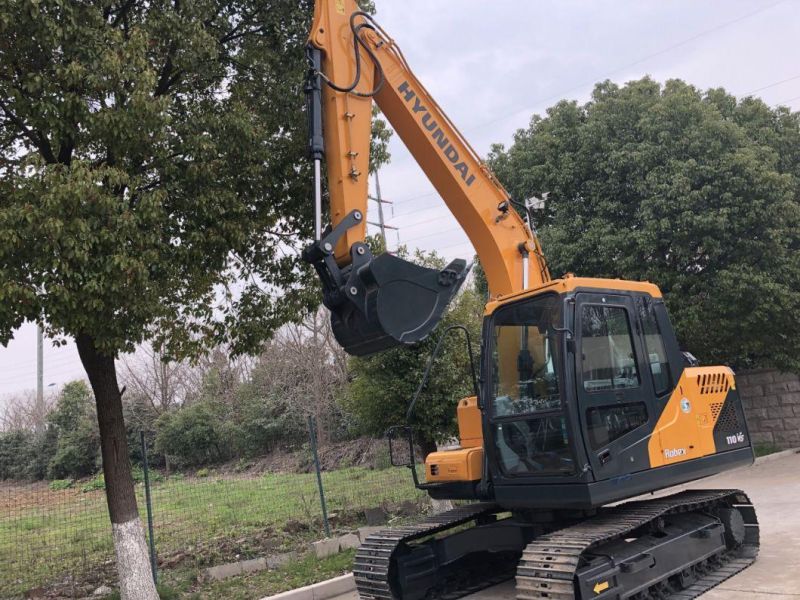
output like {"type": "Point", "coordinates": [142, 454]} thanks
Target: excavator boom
{"type": "Point", "coordinates": [355, 65]}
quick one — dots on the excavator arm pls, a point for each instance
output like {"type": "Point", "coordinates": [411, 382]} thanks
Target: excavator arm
{"type": "Point", "coordinates": [378, 302]}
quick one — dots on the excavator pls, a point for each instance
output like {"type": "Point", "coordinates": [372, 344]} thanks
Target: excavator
{"type": "Point", "coordinates": [584, 406]}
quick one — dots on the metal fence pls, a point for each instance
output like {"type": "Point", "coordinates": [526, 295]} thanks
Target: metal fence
{"type": "Point", "coordinates": [60, 539]}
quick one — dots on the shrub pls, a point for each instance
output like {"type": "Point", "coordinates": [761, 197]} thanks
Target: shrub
{"type": "Point", "coordinates": [61, 484]}
{"type": "Point", "coordinates": [15, 448]}
{"type": "Point", "coordinates": [138, 475]}
{"type": "Point", "coordinates": [98, 482]}
{"type": "Point", "coordinates": [78, 438]}
{"type": "Point", "coordinates": [192, 435]}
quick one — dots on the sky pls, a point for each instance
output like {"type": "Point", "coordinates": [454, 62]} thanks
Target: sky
{"type": "Point", "coordinates": [492, 65]}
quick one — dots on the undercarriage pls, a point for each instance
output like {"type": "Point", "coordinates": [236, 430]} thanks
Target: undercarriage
{"type": "Point", "coordinates": [675, 547]}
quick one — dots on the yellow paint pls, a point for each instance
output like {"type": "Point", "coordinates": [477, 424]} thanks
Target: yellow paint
{"type": "Point", "coordinates": [601, 587]}
{"type": "Point", "coordinates": [682, 434]}
{"type": "Point", "coordinates": [464, 464]}
{"type": "Point", "coordinates": [473, 199]}
{"type": "Point", "coordinates": [470, 426]}
{"type": "Point", "coordinates": [570, 284]}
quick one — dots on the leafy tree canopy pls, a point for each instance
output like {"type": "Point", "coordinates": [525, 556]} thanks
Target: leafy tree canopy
{"type": "Point", "coordinates": [152, 158]}
{"type": "Point", "coordinates": [695, 191]}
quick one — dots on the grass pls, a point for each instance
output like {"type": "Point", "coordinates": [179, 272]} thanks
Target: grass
{"type": "Point", "coordinates": [765, 449]}
{"type": "Point", "coordinates": [47, 534]}
{"type": "Point", "coordinates": [181, 584]}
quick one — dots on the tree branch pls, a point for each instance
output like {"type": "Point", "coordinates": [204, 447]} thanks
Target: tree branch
{"type": "Point", "coordinates": [35, 137]}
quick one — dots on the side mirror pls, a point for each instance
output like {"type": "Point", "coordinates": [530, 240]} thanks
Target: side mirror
{"type": "Point", "coordinates": [401, 446]}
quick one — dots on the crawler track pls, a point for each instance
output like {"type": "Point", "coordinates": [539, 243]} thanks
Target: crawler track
{"type": "Point", "coordinates": [372, 566]}
{"type": "Point", "coordinates": [549, 566]}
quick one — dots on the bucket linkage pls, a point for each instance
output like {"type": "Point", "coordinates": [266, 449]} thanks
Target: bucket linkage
{"type": "Point", "coordinates": [380, 302]}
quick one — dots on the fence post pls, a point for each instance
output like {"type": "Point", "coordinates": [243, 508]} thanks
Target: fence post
{"type": "Point", "coordinates": [312, 434]}
{"type": "Point", "coordinates": [149, 504]}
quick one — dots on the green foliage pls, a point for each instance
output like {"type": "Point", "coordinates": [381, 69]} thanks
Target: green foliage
{"type": "Point", "coordinates": [15, 452]}
{"type": "Point", "coordinates": [61, 484]}
{"type": "Point", "coordinates": [140, 416]}
{"type": "Point", "coordinates": [193, 435]}
{"type": "Point", "coordinates": [138, 475]}
{"type": "Point", "coordinates": [150, 155]}
{"type": "Point", "coordinates": [696, 192]}
{"type": "Point", "coordinates": [264, 423]}
{"type": "Point", "coordinates": [78, 440]}
{"type": "Point", "coordinates": [383, 384]}
{"type": "Point", "coordinates": [98, 482]}
{"type": "Point", "coordinates": [41, 450]}
{"type": "Point", "coordinates": [202, 472]}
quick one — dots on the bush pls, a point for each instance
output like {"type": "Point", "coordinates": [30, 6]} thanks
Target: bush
{"type": "Point", "coordinates": [15, 448]}
{"type": "Point", "coordinates": [98, 482]}
{"type": "Point", "coordinates": [78, 439]}
{"type": "Point", "coordinates": [26, 454]}
{"type": "Point", "coordinates": [192, 435]}
{"type": "Point", "coordinates": [259, 423]}
{"type": "Point", "coordinates": [61, 484]}
{"type": "Point", "coordinates": [141, 416]}
{"type": "Point", "coordinates": [138, 475]}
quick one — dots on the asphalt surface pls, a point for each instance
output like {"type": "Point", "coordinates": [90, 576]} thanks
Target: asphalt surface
{"type": "Point", "coordinates": [773, 484]}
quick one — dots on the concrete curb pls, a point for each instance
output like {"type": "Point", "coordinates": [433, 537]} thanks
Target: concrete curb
{"type": "Point", "coordinates": [777, 455]}
{"type": "Point", "coordinates": [319, 591]}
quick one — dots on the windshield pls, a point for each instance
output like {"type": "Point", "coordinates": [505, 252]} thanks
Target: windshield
{"type": "Point", "coordinates": [525, 359]}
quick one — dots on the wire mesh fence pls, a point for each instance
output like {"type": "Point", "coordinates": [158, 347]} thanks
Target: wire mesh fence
{"type": "Point", "coordinates": [60, 539]}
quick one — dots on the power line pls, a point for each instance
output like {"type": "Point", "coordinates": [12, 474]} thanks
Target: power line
{"type": "Point", "coordinates": [434, 234]}
{"type": "Point", "coordinates": [632, 64]}
{"type": "Point", "coordinates": [771, 85]}
{"type": "Point", "coordinates": [787, 100]}
{"type": "Point", "coordinates": [426, 219]}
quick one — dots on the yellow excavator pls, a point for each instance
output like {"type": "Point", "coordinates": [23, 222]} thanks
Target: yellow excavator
{"type": "Point", "coordinates": [584, 399]}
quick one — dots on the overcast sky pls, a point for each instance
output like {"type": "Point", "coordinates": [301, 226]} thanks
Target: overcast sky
{"type": "Point", "coordinates": [491, 65]}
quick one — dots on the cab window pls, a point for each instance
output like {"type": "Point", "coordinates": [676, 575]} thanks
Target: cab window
{"type": "Point", "coordinates": [530, 428]}
{"type": "Point", "coordinates": [654, 346]}
{"type": "Point", "coordinates": [607, 355]}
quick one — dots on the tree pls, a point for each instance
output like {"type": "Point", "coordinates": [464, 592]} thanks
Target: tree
{"type": "Point", "coordinates": [383, 384]}
{"type": "Point", "coordinates": [695, 191]}
{"type": "Point", "coordinates": [147, 375]}
{"type": "Point", "coordinates": [73, 423]}
{"type": "Point", "coordinates": [152, 186]}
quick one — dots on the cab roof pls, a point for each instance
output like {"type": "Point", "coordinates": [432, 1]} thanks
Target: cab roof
{"type": "Point", "coordinates": [570, 283]}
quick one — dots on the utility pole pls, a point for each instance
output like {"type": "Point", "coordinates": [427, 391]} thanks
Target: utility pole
{"type": "Point", "coordinates": [39, 376]}
{"type": "Point", "coordinates": [381, 221]}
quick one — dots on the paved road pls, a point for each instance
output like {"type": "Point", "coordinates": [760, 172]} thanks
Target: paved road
{"type": "Point", "coordinates": [774, 487]}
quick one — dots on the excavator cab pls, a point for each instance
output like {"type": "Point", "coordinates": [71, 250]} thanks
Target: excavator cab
{"type": "Point", "coordinates": [583, 386]}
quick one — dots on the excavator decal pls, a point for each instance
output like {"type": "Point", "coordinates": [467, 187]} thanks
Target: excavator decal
{"type": "Point", "coordinates": [437, 134]}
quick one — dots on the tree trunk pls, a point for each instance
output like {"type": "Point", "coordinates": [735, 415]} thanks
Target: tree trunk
{"type": "Point", "coordinates": [133, 563]}
{"type": "Point", "coordinates": [427, 445]}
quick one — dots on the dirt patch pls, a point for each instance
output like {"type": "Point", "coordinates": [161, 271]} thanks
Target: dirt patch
{"type": "Point", "coordinates": [21, 498]}
{"type": "Point", "coordinates": [362, 452]}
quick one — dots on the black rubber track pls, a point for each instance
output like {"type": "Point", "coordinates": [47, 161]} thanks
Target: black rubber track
{"type": "Point", "coordinates": [371, 568]}
{"type": "Point", "coordinates": [548, 565]}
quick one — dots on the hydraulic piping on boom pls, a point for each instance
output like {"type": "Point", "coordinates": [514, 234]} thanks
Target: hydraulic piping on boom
{"type": "Point", "coordinates": [375, 302]}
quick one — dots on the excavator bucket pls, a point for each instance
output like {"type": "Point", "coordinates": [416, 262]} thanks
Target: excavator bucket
{"type": "Point", "coordinates": [401, 303]}
{"type": "Point", "coordinates": [379, 302]}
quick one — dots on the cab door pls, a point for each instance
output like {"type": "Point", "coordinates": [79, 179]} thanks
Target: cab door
{"type": "Point", "coordinates": [615, 395]}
